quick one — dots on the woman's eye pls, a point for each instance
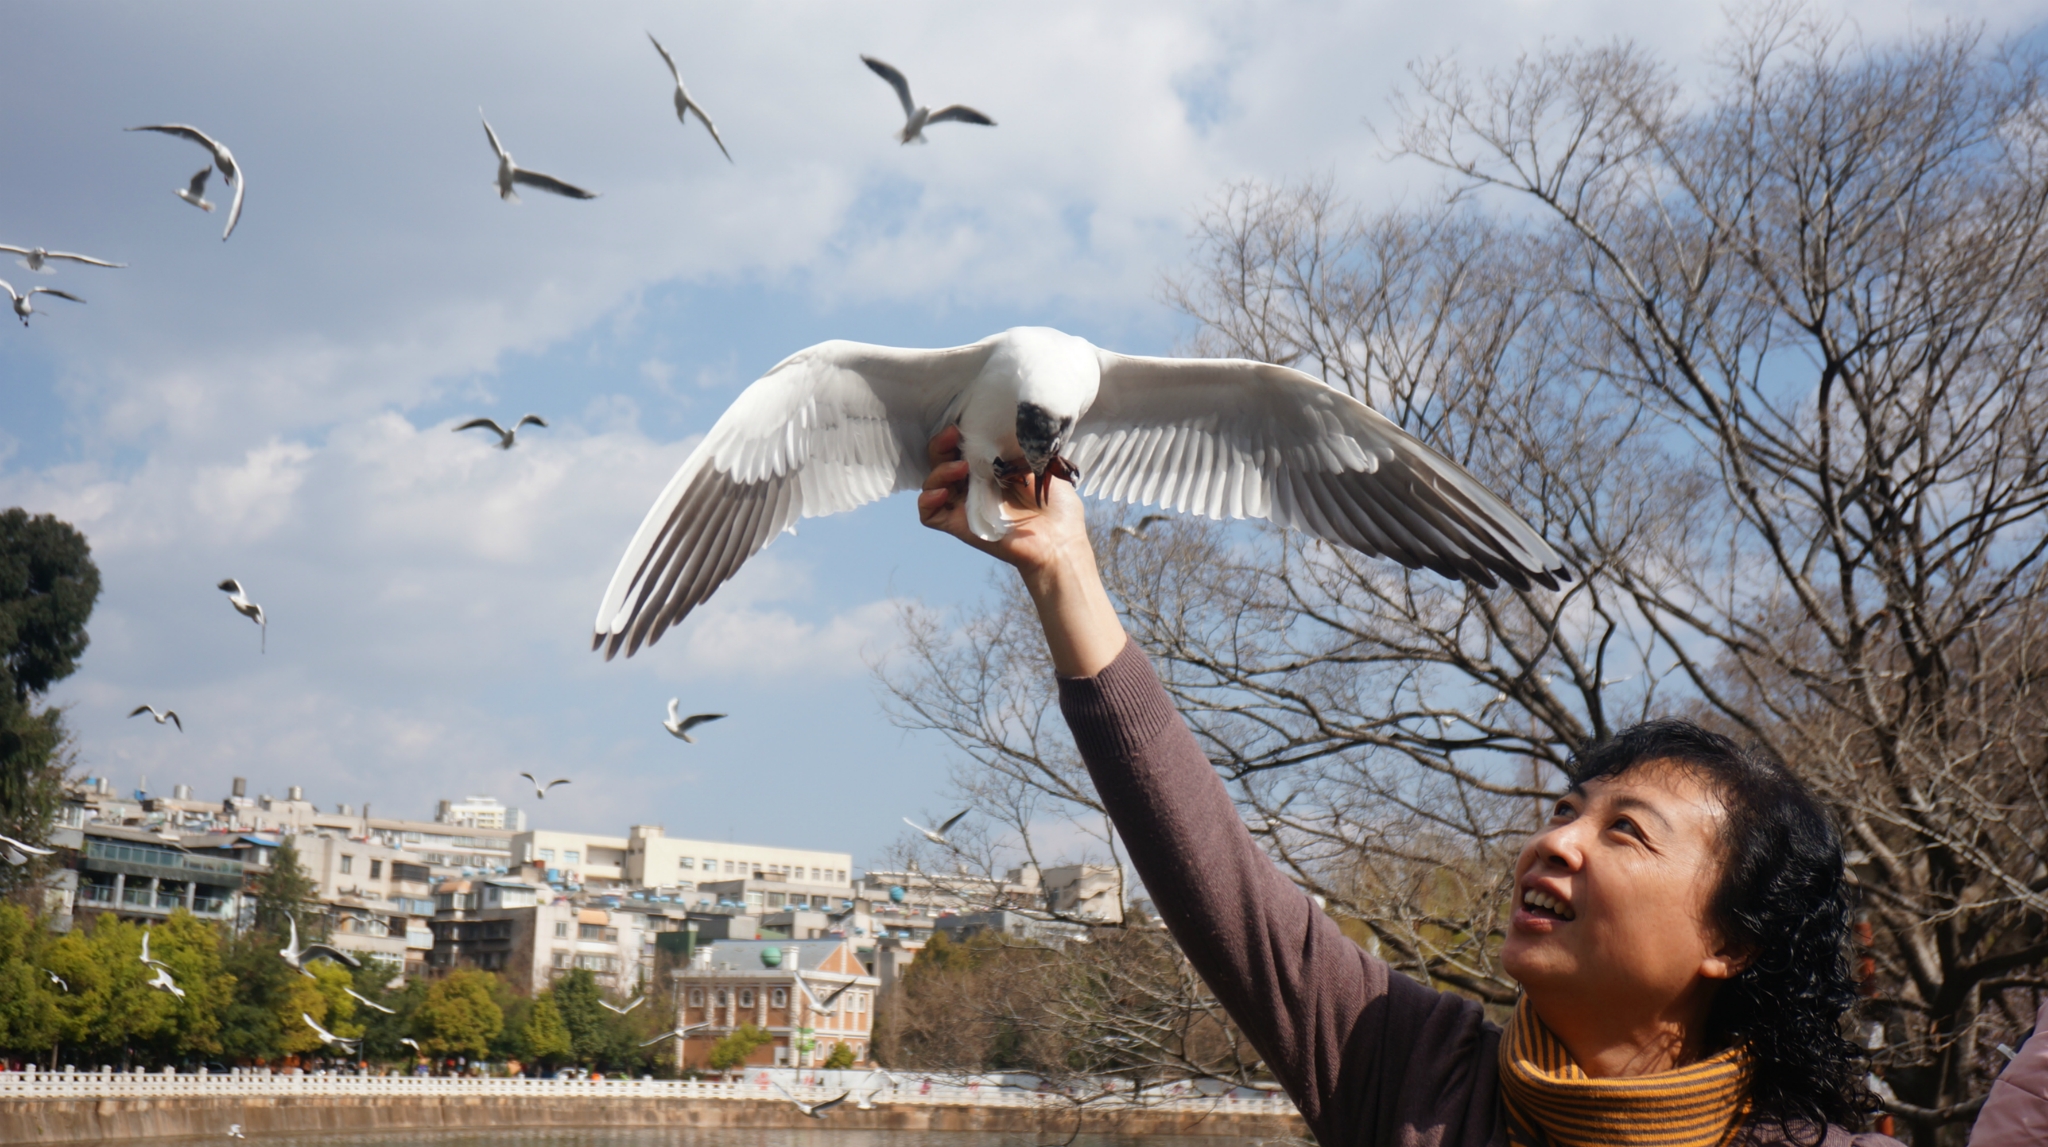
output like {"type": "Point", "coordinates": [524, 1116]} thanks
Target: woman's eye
{"type": "Point", "coordinates": [1628, 826]}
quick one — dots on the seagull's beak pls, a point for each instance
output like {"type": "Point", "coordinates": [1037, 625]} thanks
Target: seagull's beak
{"type": "Point", "coordinates": [1055, 467]}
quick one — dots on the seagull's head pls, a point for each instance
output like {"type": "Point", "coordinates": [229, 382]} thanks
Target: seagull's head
{"type": "Point", "coordinates": [1057, 376]}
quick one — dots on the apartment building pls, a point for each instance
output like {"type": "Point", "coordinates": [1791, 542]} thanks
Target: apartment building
{"type": "Point", "coordinates": [646, 857]}
{"type": "Point", "coordinates": [142, 875]}
{"type": "Point", "coordinates": [480, 812]}
{"type": "Point", "coordinates": [1092, 893]}
{"type": "Point", "coordinates": [379, 899]}
{"type": "Point", "coordinates": [776, 985]}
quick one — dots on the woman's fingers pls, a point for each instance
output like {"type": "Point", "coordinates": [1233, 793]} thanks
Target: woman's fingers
{"type": "Point", "coordinates": [944, 446]}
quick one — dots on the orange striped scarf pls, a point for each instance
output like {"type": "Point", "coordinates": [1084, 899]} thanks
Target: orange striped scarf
{"type": "Point", "coordinates": [1552, 1103]}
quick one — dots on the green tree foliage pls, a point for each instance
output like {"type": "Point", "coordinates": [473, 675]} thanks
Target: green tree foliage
{"type": "Point", "coordinates": [458, 1015]}
{"type": "Point", "coordinates": [381, 1032]}
{"type": "Point", "coordinates": [733, 1050]}
{"type": "Point", "coordinates": [29, 1017]}
{"type": "Point", "coordinates": [286, 890]}
{"type": "Point", "coordinates": [48, 585]}
{"type": "Point", "coordinates": [841, 1057]}
{"type": "Point", "coordinates": [601, 1038]}
{"type": "Point", "coordinates": [321, 995]}
{"type": "Point", "coordinates": [544, 1038]}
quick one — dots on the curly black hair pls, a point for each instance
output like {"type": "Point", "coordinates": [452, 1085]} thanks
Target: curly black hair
{"type": "Point", "coordinates": [1784, 894]}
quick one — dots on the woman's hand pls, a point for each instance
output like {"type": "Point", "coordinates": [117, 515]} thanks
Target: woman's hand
{"type": "Point", "coordinates": [1049, 548]}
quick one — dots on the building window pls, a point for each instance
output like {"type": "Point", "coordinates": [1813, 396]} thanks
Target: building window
{"type": "Point", "coordinates": [348, 864]}
{"type": "Point", "coordinates": [561, 929]}
{"type": "Point", "coordinates": [595, 932]}
{"type": "Point", "coordinates": [572, 856]}
{"type": "Point", "coordinates": [728, 868]}
{"type": "Point", "coordinates": [688, 862]}
{"type": "Point", "coordinates": [746, 997]}
{"type": "Point", "coordinates": [721, 997]}
{"type": "Point", "coordinates": [696, 997]}
{"type": "Point", "coordinates": [548, 854]}
{"type": "Point", "coordinates": [376, 869]}
{"type": "Point", "coordinates": [779, 998]}
{"type": "Point", "coordinates": [561, 959]}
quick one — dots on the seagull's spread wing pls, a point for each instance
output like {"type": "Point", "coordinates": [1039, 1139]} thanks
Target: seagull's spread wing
{"type": "Point", "coordinates": [334, 954]}
{"type": "Point", "coordinates": [368, 1002]}
{"type": "Point", "coordinates": [558, 781]}
{"type": "Point", "coordinates": [675, 705]}
{"type": "Point", "coordinates": [184, 131]}
{"type": "Point", "coordinates": [829, 1104]}
{"type": "Point", "coordinates": [920, 828]}
{"type": "Point", "coordinates": [696, 719]}
{"type": "Point", "coordinates": [666, 58]}
{"type": "Point", "coordinates": [198, 185]}
{"type": "Point", "coordinates": [230, 586]}
{"type": "Point", "coordinates": [960, 113]}
{"type": "Point", "coordinates": [235, 208]}
{"type": "Point", "coordinates": [533, 419]}
{"type": "Point", "coordinates": [497, 147]}
{"type": "Point", "coordinates": [896, 81]}
{"type": "Point", "coordinates": [80, 259]}
{"type": "Point", "coordinates": [139, 710]}
{"type": "Point", "coordinates": [13, 250]}
{"type": "Point", "coordinates": [56, 292]}
{"type": "Point", "coordinates": [486, 423]}
{"type": "Point", "coordinates": [550, 183]}
{"type": "Point", "coordinates": [171, 715]}
{"type": "Point", "coordinates": [713, 129]}
{"type": "Point", "coordinates": [26, 847]}
{"type": "Point", "coordinates": [951, 821]}
{"type": "Point", "coordinates": [830, 428]}
{"type": "Point", "coordinates": [1227, 438]}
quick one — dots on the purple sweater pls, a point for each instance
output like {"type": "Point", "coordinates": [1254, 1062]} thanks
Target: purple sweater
{"type": "Point", "coordinates": [1368, 1055]}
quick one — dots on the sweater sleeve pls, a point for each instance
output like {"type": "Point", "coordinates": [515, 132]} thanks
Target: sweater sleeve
{"type": "Point", "coordinates": [2016, 1112]}
{"type": "Point", "coordinates": [1368, 1056]}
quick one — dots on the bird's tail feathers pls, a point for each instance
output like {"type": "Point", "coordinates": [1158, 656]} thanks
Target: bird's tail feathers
{"type": "Point", "coordinates": [985, 513]}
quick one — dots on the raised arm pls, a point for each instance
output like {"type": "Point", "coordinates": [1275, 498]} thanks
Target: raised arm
{"type": "Point", "coordinates": [1363, 1052]}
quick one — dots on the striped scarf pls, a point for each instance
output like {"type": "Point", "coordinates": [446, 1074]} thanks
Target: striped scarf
{"type": "Point", "coordinates": [1552, 1103]}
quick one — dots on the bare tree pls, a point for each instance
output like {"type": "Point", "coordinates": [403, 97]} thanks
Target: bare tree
{"type": "Point", "coordinates": [1765, 362]}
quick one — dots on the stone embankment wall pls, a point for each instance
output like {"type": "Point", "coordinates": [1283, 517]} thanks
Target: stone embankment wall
{"type": "Point", "coordinates": [71, 1120]}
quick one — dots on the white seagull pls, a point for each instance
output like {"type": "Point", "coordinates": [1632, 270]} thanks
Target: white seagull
{"type": "Point", "coordinates": [57, 980]}
{"type": "Point", "coordinates": [368, 1002]}
{"type": "Point", "coordinates": [222, 158]}
{"type": "Point", "coordinates": [827, 1005]}
{"type": "Point", "coordinates": [235, 1131]}
{"type": "Point", "coordinates": [684, 104]}
{"type": "Point", "coordinates": [195, 191]}
{"type": "Point", "coordinates": [24, 304]}
{"type": "Point", "coordinates": [843, 424]}
{"type": "Point", "coordinates": [867, 1102]}
{"type": "Point", "coordinates": [938, 835]}
{"type": "Point", "coordinates": [146, 961]}
{"type": "Point", "coordinates": [510, 173]}
{"type": "Point", "coordinates": [18, 851]}
{"type": "Point", "coordinates": [411, 1043]}
{"type": "Point", "coordinates": [505, 437]}
{"type": "Point", "coordinates": [540, 791]}
{"type": "Point", "coordinates": [679, 1033]}
{"type": "Point", "coordinates": [814, 1110]}
{"type": "Point", "coordinates": [170, 715]}
{"type": "Point", "coordinates": [609, 1006]}
{"type": "Point", "coordinates": [1138, 531]}
{"type": "Point", "coordinates": [297, 956]}
{"type": "Point", "coordinates": [164, 983]}
{"type": "Point", "coordinates": [326, 1036]}
{"type": "Point", "coordinates": [38, 258]}
{"type": "Point", "coordinates": [916, 117]}
{"type": "Point", "coordinates": [249, 609]}
{"type": "Point", "coordinates": [681, 726]}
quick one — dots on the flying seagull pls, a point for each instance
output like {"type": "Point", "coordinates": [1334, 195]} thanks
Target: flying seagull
{"type": "Point", "coordinates": [681, 1031]}
{"type": "Point", "coordinates": [195, 191]}
{"type": "Point", "coordinates": [867, 1102]}
{"type": "Point", "coordinates": [938, 835]}
{"type": "Point", "coordinates": [24, 307]}
{"type": "Point", "coordinates": [222, 158]}
{"type": "Point", "coordinates": [510, 173]}
{"type": "Point", "coordinates": [164, 983]}
{"type": "Point", "coordinates": [245, 607]}
{"type": "Point", "coordinates": [38, 259]}
{"type": "Point", "coordinates": [681, 728]}
{"type": "Point", "coordinates": [368, 1002]}
{"type": "Point", "coordinates": [916, 116]}
{"type": "Point", "coordinates": [1138, 531]}
{"type": "Point", "coordinates": [18, 851]}
{"type": "Point", "coordinates": [326, 1036]}
{"type": "Point", "coordinates": [411, 1043]}
{"type": "Point", "coordinates": [505, 437]}
{"type": "Point", "coordinates": [814, 1110]}
{"type": "Point", "coordinates": [147, 962]}
{"type": "Point", "coordinates": [684, 104]}
{"type": "Point", "coordinates": [827, 1005]}
{"type": "Point", "coordinates": [170, 715]}
{"type": "Point", "coordinates": [540, 791]}
{"type": "Point", "coordinates": [843, 424]}
{"type": "Point", "coordinates": [609, 1006]}
{"type": "Point", "coordinates": [297, 956]}
{"type": "Point", "coordinates": [235, 1131]}
{"type": "Point", "coordinates": [57, 980]}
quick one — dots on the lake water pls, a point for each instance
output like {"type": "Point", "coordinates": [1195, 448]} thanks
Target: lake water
{"type": "Point", "coordinates": [708, 1137]}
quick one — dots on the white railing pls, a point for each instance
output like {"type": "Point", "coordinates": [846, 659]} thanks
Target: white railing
{"type": "Point", "coordinates": [907, 1090]}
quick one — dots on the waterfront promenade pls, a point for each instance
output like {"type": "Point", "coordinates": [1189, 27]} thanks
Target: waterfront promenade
{"type": "Point", "coordinates": [56, 1107]}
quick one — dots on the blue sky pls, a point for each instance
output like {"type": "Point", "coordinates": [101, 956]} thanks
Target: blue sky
{"type": "Point", "coordinates": [277, 408]}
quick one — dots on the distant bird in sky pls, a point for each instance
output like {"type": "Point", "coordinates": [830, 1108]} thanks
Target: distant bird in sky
{"type": "Point", "coordinates": [540, 791]}
{"type": "Point", "coordinates": [510, 173]}
{"type": "Point", "coordinates": [57, 980]}
{"type": "Point", "coordinates": [38, 259]}
{"type": "Point", "coordinates": [916, 117]}
{"type": "Point", "coordinates": [296, 956]}
{"type": "Point", "coordinates": [867, 1102]}
{"type": "Point", "coordinates": [195, 191]}
{"type": "Point", "coordinates": [222, 158]}
{"type": "Point", "coordinates": [170, 715]}
{"type": "Point", "coordinates": [235, 1131]}
{"type": "Point", "coordinates": [368, 1002]}
{"type": "Point", "coordinates": [842, 424]}
{"type": "Point", "coordinates": [938, 835]}
{"type": "Point", "coordinates": [609, 1006]}
{"type": "Point", "coordinates": [681, 728]}
{"type": "Point", "coordinates": [684, 104]}
{"type": "Point", "coordinates": [18, 851]}
{"type": "Point", "coordinates": [681, 1031]}
{"type": "Point", "coordinates": [328, 1037]}
{"type": "Point", "coordinates": [23, 304]}
{"type": "Point", "coordinates": [164, 983]}
{"type": "Point", "coordinates": [245, 607]}
{"type": "Point", "coordinates": [505, 437]}
{"type": "Point", "coordinates": [814, 1110]}
{"type": "Point", "coordinates": [1138, 531]}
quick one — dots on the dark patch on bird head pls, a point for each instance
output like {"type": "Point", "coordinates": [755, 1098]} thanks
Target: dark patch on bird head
{"type": "Point", "coordinates": [1042, 436]}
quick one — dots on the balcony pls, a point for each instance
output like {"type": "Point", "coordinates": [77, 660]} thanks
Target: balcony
{"type": "Point", "coordinates": [163, 863]}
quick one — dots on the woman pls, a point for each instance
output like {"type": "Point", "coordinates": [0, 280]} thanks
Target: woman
{"type": "Point", "coordinates": [1678, 930]}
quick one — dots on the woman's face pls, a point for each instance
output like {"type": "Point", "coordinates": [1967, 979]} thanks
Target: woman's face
{"type": "Point", "coordinates": [1611, 897]}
